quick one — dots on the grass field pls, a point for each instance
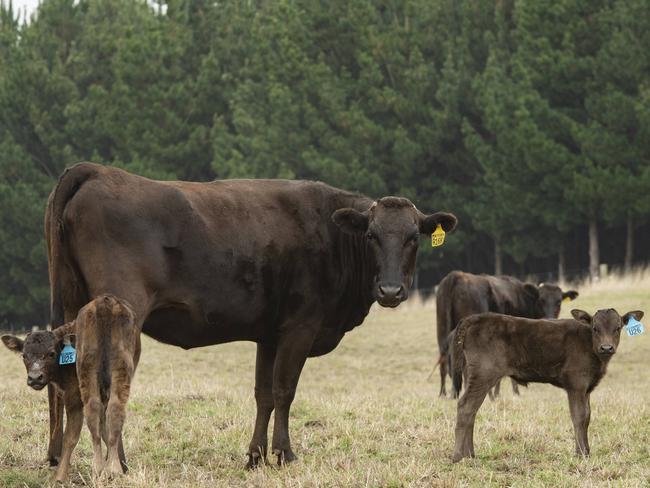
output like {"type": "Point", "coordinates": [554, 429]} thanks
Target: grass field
{"type": "Point", "coordinates": [364, 415]}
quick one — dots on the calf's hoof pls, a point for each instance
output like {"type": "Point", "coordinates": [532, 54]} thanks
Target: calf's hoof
{"type": "Point", "coordinates": [285, 456]}
{"type": "Point", "coordinates": [53, 461]}
{"type": "Point", "coordinates": [255, 460]}
{"type": "Point", "coordinates": [456, 457]}
{"type": "Point", "coordinates": [113, 467]}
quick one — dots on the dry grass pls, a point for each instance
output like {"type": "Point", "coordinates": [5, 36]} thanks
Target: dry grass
{"type": "Point", "coordinates": [364, 415]}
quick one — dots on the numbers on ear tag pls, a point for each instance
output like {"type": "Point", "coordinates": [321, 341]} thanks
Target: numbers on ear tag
{"type": "Point", "coordinates": [68, 355]}
{"type": "Point", "coordinates": [634, 327]}
{"type": "Point", "coordinates": [438, 237]}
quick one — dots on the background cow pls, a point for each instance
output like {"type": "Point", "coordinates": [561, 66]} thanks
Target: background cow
{"type": "Point", "coordinates": [570, 354]}
{"type": "Point", "coordinates": [462, 294]}
{"type": "Point", "coordinates": [290, 265]}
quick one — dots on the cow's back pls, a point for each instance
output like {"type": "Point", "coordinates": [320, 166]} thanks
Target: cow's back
{"type": "Point", "coordinates": [227, 260]}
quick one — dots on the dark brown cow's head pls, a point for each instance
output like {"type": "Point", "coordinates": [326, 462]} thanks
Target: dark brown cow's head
{"type": "Point", "coordinates": [547, 299]}
{"type": "Point", "coordinates": [392, 227]}
{"type": "Point", "coordinates": [40, 351]}
{"type": "Point", "coordinates": [606, 328]}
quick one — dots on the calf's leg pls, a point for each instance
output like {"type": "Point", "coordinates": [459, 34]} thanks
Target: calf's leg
{"type": "Point", "coordinates": [290, 358]}
{"type": "Point", "coordinates": [93, 411]}
{"type": "Point", "coordinates": [55, 404]}
{"type": "Point", "coordinates": [264, 399]}
{"type": "Point", "coordinates": [75, 419]}
{"type": "Point", "coordinates": [468, 405]}
{"type": "Point", "coordinates": [580, 415]}
{"type": "Point", "coordinates": [116, 411]}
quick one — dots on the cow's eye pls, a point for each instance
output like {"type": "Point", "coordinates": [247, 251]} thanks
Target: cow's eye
{"type": "Point", "coordinates": [51, 355]}
{"type": "Point", "coordinates": [370, 236]}
{"type": "Point", "coordinates": [412, 239]}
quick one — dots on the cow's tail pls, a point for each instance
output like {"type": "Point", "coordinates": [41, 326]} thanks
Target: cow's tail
{"type": "Point", "coordinates": [69, 183]}
{"type": "Point", "coordinates": [458, 355]}
{"type": "Point", "coordinates": [444, 314]}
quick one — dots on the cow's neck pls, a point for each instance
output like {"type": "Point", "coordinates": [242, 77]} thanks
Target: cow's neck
{"type": "Point", "coordinates": [357, 261]}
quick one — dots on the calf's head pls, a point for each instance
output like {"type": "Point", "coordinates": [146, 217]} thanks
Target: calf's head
{"type": "Point", "coordinates": [392, 227]}
{"type": "Point", "coordinates": [40, 351]}
{"type": "Point", "coordinates": [606, 328]}
{"type": "Point", "coordinates": [547, 299]}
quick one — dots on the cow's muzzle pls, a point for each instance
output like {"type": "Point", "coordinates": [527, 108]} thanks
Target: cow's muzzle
{"type": "Point", "coordinates": [390, 294]}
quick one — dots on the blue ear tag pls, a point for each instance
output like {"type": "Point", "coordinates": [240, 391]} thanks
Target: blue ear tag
{"type": "Point", "coordinates": [68, 353]}
{"type": "Point", "coordinates": [634, 327]}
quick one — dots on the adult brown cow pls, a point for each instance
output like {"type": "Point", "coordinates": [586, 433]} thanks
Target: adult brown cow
{"type": "Point", "coordinates": [462, 294]}
{"type": "Point", "coordinates": [290, 265]}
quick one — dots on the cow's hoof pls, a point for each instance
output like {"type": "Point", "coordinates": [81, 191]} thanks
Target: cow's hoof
{"type": "Point", "coordinates": [53, 461]}
{"type": "Point", "coordinates": [285, 456]}
{"type": "Point", "coordinates": [255, 460]}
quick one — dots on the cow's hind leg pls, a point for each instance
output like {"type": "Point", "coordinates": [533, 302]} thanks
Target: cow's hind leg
{"type": "Point", "coordinates": [443, 374]}
{"type": "Point", "coordinates": [257, 449]}
{"type": "Point", "coordinates": [290, 358]}
{"type": "Point", "coordinates": [515, 387]}
{"type": "Point", "coordinates": [468, 405]}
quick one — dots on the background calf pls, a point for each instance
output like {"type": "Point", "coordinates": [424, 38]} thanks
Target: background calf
{"type": "Point", "coordinates": [570, 354]}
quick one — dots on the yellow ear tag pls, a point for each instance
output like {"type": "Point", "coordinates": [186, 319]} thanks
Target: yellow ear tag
{"type": "Point", "coordinates": [438, 237]}
{"type": "Point", "coordinates": [566, 299]}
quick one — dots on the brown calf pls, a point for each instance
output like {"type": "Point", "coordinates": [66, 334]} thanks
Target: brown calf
{"type": "Point", "coordinates": [570, 354]}
{"type": "Point", "coordinates": [108, 350]}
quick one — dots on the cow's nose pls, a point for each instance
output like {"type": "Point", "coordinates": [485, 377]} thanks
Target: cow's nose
{"type": "Point", "coordinates": [606, 349]}
{"type": "Point", "coordinates": [391, 292]}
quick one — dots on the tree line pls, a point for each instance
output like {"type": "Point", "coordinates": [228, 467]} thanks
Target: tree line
{"type": "Point", "coordinates": [529, 120]}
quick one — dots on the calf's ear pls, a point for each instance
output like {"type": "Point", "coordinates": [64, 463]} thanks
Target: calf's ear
{"type": "Point", "coordinates": [570, 295]}
{"type": "Point", "coordinates": [13, 343]}
{"type": "Point", "coordinates": [350, 220]}
{"type": "Point", "coordinates": [637, 314]}
{"type": "Point", "coordinates": [581, 316]}
{"type": "Point", "coordinates": [428, 223]}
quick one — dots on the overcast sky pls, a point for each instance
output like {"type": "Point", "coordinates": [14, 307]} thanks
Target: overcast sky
{"type": "Point", "coordinates": [20, 5]}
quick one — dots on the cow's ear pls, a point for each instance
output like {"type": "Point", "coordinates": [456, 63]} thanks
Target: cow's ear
{"type": "Point", "coordinates": [532, 290]}
{"type": "Point", "coordinates": [350, 220]}
{"type": "Point", "coordinates": [637, 314]}
{"type": "Point", "coordinates": [570, 295]}
{"type": "Point", "coordinates": [428, 223]}
{"type": "Point", "coordinates": [581, 316]}
{"type": "Point", "coordinates": [13, 343]}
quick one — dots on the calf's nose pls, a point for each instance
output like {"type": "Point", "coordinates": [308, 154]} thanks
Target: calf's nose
{"type": "Point", "coordinates": [34, 378]}
{"type": "Point", "coordinates": [606, 349]}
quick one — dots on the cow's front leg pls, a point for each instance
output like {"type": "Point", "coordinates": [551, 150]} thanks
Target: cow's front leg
{"type": "Point", "coordinates": [55, 403]}
{"type": "Point", "coordinates": [291, 355]}
{"type": "Point", "coordinates": [264, 400]}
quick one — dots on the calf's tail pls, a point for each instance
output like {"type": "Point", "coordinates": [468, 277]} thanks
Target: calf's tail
{"type": "Point", "coordinates": [458, 355]}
